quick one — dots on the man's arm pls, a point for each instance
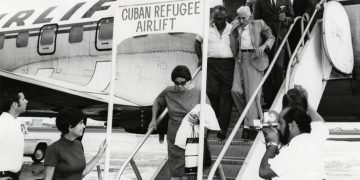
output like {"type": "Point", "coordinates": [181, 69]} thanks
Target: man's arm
{"type": "Point", "coordinates": [315, 116]}
{"type": "Point", "coordinates": [265, 171]}
{"type": "Point", "coordinates": [271, 138]}
{"type": "Point", "coordinates": [267, 33]}
{"type": "Point", "coordinates": [289, 14]}
{"type": "Point", "coordinates": [158, 103]}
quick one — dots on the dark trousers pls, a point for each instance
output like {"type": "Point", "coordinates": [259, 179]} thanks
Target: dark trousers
{"type": "Point", "coordinates": [14, 176]}
{"type": "Point", "coordinates": [276, 77]}
{"type": "Point", "coordinates": [219, 82]}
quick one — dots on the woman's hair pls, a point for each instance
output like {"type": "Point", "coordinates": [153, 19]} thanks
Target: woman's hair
{"type": "Point", "coordinates": [295, 98]}
{"type": "Point", "coordinates": [182, 72]}
{"type": "Point", "coordinates": [301, 118]}
{"type": "Point", "coordinates": [68, 117]}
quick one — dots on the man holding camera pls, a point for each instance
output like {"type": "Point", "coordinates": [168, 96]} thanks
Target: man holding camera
{"type": "Point", "coordinates": [278, 15]}
{"type": "Point", "coordinates": [302, 136]}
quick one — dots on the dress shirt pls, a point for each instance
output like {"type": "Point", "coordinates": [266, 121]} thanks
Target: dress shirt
{"type": "Point", "coordinates": [245, 38]}
{"type": "Point", "coordinates": [271, 2]}
{"type": "Point", "coordinates": [11, 143]}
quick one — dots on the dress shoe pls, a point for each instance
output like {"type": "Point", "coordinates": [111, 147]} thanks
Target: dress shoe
{"type": "Point", "coordinates": [245, 133]}
{"type": "Point", "coordinates": [221, 135]}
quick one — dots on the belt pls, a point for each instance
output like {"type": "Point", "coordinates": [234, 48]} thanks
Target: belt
{"type": "Point", "coordinates": [247, 50]}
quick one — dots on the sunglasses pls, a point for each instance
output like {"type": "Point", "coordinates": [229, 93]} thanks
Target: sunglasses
{"type": "Point", "coordinates": [177, 83]}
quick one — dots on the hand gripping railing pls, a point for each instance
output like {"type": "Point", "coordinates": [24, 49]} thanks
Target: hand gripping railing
{"type": "Point", "coordinates": [247, 107]}
{"type": "Point", "coordinates": [137, 148]}
{"type": "Point", "coordinates": [305, 32]}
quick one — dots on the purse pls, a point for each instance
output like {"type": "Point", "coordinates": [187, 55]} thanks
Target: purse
{"type": "Point", "coordinates": [191, 154]}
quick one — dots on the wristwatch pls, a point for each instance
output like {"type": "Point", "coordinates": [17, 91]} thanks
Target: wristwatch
{"type": "Point", "coordinates": [272, 144]}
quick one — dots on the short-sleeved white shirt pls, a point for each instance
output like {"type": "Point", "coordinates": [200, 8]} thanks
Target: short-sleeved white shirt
{"type": "Point", "coordinates": [303, 158]}
{"type": "Point", "coordinates": [219, 44]}
{"type": "Point", "coordinates": [11, 143]}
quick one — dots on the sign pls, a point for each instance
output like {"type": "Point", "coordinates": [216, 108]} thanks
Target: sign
{"type": "Point", "coordinates": [139, 17]}
{"type": "Point", "coordinates": [159, 16]}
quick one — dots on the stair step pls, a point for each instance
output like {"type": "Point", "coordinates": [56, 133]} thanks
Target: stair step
{"type": "Point", "coordinates": [236, 150]}
{"type": "Point", "coordinates": [230, 167]}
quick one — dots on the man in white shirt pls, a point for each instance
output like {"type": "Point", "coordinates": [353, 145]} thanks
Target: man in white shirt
{"type": "Point", "coordinates": [220, 67]}
{"type": "Point", "coordinates": [302, 136]}
{"type": "Point", "coordinates": [11, 137]}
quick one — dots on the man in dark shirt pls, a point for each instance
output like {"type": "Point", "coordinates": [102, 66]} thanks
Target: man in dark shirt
{"type": "Point", "coordinates": [278, 15]}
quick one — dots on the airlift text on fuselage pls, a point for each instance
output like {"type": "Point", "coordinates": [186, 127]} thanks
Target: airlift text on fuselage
{"type": "Point", "coordinates": [19, 18]}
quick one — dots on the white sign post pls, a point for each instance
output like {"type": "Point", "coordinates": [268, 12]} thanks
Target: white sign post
{"type": "Point", "coordinates": [139, 17]}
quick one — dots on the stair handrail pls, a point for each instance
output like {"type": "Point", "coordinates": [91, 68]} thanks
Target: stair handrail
{"type": "Point", "coordinates": [247, 107]}
{"type": "Point", "coordinates": [301, 40]}
{"type": "Point", "coordinates": [151, 130]}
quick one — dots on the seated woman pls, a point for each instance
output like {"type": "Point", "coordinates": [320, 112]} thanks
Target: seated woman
{"type": "Point", "coordinates": [180, 99]}
{"type": "Point", "coordinates": [65, 159]}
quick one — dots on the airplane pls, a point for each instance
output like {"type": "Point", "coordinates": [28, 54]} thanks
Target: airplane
{"type": "Point", "coordinates": [59, 51]}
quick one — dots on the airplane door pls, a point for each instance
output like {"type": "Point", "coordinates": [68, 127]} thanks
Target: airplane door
{"type": "Point", "coordinates": [104, 34]}
{"type": "Point", "coordinates": [47, 39]}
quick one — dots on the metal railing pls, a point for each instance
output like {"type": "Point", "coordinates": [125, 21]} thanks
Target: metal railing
{"type": "Point", "coordinates": [300, 43]}
{"type": "Point", "coordinates": [137, 148]}
{"type": "Point", "coordinates": [247, 107]}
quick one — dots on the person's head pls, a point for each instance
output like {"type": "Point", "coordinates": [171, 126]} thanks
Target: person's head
{"type": "Point", "coordinates": [180, 76]}
{"type": "Point", "coordinates": [243, 15]}
{"type": "Point", "coordinates": [292, 122]}
{"type": "Point", "coordinates": [14, 101]}
{"type": "Point", "coordinates": [220, 17]}
{"type": "Point", "coordinates": [295, 98]}
{"type": "Point", "coordinates": [70, 121]}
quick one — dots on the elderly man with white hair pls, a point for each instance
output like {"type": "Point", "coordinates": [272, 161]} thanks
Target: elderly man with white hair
{"type": "Point", "coordinates": [248, 40]}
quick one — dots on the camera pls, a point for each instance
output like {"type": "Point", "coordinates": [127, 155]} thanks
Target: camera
{"type": "Point", "coordinates": [270, 118]}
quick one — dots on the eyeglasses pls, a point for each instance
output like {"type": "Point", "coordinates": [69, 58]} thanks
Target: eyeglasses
{"type": "Point", "coordinates": [177, 83]}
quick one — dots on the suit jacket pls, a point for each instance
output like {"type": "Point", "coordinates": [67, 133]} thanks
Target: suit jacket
{"type": "Point", "coordinates": [265, 11]}
{"type": "Point", "coordinates": [304, 6]}
{"type": "Point", "coordinates": [260, 34]}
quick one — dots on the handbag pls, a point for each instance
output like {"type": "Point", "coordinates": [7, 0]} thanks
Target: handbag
{"type": "Point", "coordinates": [191, 154]}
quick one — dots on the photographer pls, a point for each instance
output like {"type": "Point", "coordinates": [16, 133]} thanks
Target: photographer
{"type": "Point", "coordinates": [302, 135]}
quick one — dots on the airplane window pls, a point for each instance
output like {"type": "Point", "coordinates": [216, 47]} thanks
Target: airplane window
{"type": "Point", "coordinates": [2, 41]}
{"type": "Point", "coordinates": [47, 37]}
{"type": "Point", "coordinates": [106, 31]}
{"type": "Point", "coordinates": [76, 34]}
{"type": "Point", "coordinates": [22, 39]}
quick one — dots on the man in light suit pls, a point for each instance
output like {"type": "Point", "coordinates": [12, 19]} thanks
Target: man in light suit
{"type": "Point", "coordinates": [248, 41]}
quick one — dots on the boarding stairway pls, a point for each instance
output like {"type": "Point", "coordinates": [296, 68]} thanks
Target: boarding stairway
{"type": "Point", "coordinates": [232, 160]}
{"type": "Point", "coordinates": [308, 67]}
{"type": "Point", "coordinates": [236, 158]}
